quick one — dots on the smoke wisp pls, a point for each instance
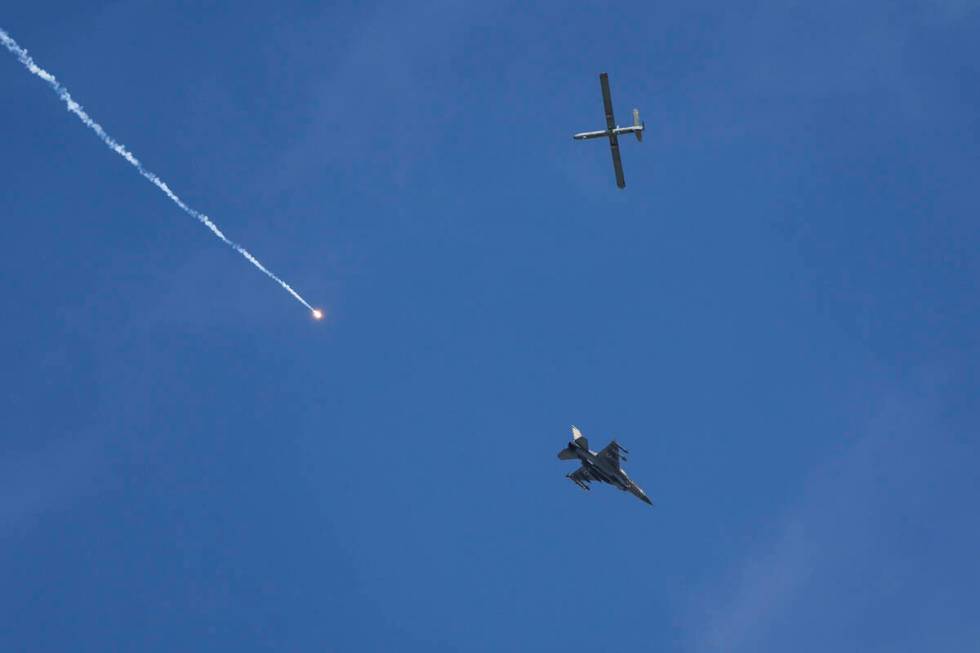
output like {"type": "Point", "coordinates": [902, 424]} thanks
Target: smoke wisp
{"type": "Point", "coordinates": [75, 108]}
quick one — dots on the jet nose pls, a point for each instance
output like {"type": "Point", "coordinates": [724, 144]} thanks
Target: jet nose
{"type": "Point", "coordinates": [641, 495]}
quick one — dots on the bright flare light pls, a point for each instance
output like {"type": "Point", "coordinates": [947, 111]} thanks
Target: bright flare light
{"type": "Point", "coordinates": [317, 314]}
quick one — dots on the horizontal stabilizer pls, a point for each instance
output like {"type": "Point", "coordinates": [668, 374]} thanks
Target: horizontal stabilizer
{"type": "Point", "coordinates": [568, 453]}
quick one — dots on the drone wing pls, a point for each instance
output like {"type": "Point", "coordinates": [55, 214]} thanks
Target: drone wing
{"type": "Point", "coordinates": [611, 125]}
{"type": "Point", "coordinates": [617, 162]}
{"type": "Point", "coordinates": [607, 101]}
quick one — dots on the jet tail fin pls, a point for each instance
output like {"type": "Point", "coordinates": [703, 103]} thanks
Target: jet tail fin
{"type": "Point", "coordinates": [579, 439]}
{"type": "Point", "coordinates": [637, 123]}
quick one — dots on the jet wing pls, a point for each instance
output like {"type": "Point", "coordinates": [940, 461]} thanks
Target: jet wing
{"type": "Point", "coordinates": [612, 454]}
{"type": "Point", "coordinates": [581, 475]}
{"type": "Point", "coordinates": [617, 162]}
{"type": "Point", "coordinates": [607, 101]}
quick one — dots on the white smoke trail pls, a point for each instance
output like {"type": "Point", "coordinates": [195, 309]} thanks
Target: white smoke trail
{"type": "Point", "coordinates": [119, 149]}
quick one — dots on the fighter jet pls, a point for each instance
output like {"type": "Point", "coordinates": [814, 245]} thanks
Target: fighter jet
{"type": "Point", "coordinates": [612, 131]}
{"type": "Point", "coordinates": [603, 466]}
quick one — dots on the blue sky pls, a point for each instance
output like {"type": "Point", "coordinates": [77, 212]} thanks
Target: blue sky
{"type": "Point", "coordinates": [779, 317]}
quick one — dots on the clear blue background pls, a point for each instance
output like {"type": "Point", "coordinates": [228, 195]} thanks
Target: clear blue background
{"type": "Point", "coordinates": [779, 317]}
